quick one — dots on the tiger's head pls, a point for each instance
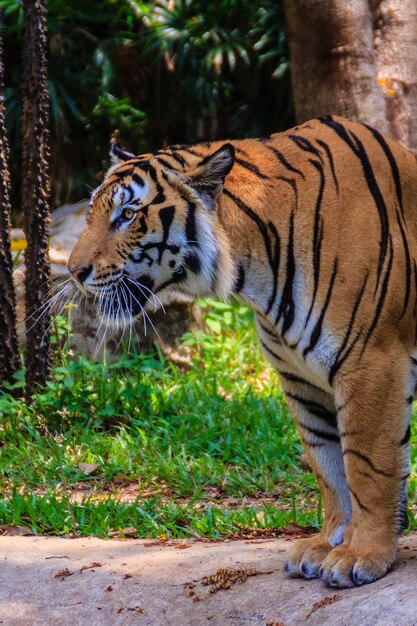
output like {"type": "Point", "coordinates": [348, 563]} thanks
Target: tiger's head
{"type": "Point", "coordinates": [152, 226]}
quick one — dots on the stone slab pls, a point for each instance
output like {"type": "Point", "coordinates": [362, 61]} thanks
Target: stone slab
{"type": "Point", "coordinates": [134, 583]}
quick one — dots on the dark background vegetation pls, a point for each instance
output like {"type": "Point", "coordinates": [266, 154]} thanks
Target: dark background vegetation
{"type": "Point", "coordinates": [164, 72]}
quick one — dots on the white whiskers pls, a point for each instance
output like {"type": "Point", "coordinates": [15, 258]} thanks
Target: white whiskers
{"type": "Point", "coordinates": [116, 302]}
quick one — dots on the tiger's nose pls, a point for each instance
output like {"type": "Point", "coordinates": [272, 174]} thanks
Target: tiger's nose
{"type": "Point", "coordinates": [80, 273]}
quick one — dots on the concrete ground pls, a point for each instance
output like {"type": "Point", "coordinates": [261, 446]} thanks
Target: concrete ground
{"type": "Point", "coordinates": [89, 582]}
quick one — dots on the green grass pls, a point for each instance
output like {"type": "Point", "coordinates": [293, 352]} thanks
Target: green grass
{"type": "Point", "coordinates": [197, 452]}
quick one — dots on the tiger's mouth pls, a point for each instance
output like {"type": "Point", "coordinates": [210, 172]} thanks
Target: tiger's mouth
{"type": "Point", "coordinates": [126, 298]}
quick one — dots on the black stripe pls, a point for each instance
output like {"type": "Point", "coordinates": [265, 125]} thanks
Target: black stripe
{"type": "Point", "coordinates": [324, 145]}
{"type": "Point", "coordinates": [192, 261]}
{"type": "Point", "coordinates": [317, 238]}
{"type": "Point", "coordinates": [415, 302]}
{"type": "Point", "coordinates": [286, 307]}
{"type": "Point", "coordinates": [138, 179]}
{"type": "Point", "coordinates": [393, 164]}
{"type": "Point", "coordinates": [368, 461]}
{"type": "Point", "coordinates": [194, 152]}
{"type": "Point", "coordinates": [263, 229]}
{"type": "Point", "coordinates": [358, 149]}
{"type": "Point", "coordinates": [271, 352]}
{"type": "Point", "coordinates": [341, 356]}
{"type": "Point", "coordinates": [360, 504]}
{"type": "Point", "coordinates": [315, 335]}
{"type": "Point", "coordinates": [178, 158]}
{"type": "Point", "coordinates": [407, 266]}
{"type": "Point", "coordinates": [314, 408]}
{"type": "Point", "coordinates": [251, 167]}
{"type": "Point", "coordinates": [320, 433]}
{"type": "Point", "coordinates": [190, 225]}
{"type": "Point", "coordinates": [240, 279]}
{"type": "Point", "coordinates": [289, 181]}
{"type": "Point", "coordinates": [269, 332]}
{"type": "Point", "coordinates": [164, 162]}
{"type": "Point", "coordinates": [293, 378]}
{"type": "Point", "coordinates": [276, 259]}
{"type": "Point", "coordinates": [160, 196]}
{"type": "Point", "coordinates": [281, 158]}
{"type": "Point", "coordinates": [382, 296]}
{"type": "Point", "coordinates": [166, 215]}
{"type": "Point", "coordinates": [407, 436]}
{"type": "Point", "coordinates": [305, 144]}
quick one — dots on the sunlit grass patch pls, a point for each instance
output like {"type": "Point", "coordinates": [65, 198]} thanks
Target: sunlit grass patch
{"type": "Point", "coordinates": [191, 452]}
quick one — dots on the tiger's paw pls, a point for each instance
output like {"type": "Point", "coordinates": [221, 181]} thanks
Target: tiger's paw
{"type": "Point", "coordinates": [345, 567]}
{"type": "Point", "coordinates": [306, 556]}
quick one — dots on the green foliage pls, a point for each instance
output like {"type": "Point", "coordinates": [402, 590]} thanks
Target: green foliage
{"type": "Point", "coordinates": [160, 72]}
{"type": "Point", "coordinates": [219, 425]}
{"type": "Point", "coordinates": [186, 442]}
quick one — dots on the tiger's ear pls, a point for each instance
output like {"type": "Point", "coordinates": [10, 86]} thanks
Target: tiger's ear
{"type": "Point", "coordinates": [208, 177]}
{"type": "Point", "coordinates": [118, 156]}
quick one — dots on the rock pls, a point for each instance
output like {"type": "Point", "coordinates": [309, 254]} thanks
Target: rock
{"type": "Point", "coordinates": [46, 581]}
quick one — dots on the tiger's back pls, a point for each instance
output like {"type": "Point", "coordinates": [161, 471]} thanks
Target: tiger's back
{"type": "Point", "coordinates": [316, 229]}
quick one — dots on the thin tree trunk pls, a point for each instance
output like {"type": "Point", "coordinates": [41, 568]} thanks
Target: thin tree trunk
{"type": "Point", "coordinates": [395, 39]}
{"type": "Point", "coordinates": [332, 60]}
{"type": "Point", "coordinates": [9, 360]}
{"type": "Point", "coordinates": [35, 191]}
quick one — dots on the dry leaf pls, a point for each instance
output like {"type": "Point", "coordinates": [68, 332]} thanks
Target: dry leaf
{"type": "Point", "coordinates": [92, 566]}
{"type": "Point", "coordinates": [295, 530]}
{"type": "Point", "coordinates": [224, 578]}
{"type": "Point", "coordinates": [64, 573]}
{"type": "Point", "coordinates": [64, 556]}
{"type": "Point", "coordinates": [321, 604]}
{"type": "Point", "coordinates": [88, 468]}
{"type": "Point", "coordinates": [246, 532]}
{"type": "Point", "coordinates": [230, 501]}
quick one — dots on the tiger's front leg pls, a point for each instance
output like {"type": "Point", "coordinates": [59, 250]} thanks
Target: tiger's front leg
{"type": "Point", "coordinates": [374, 417]}
{"type": "Point", "coordinates": [315, 416]}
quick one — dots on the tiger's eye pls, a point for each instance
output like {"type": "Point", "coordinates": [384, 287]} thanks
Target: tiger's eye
{"type": "Point", "coordinates": [128, 214]}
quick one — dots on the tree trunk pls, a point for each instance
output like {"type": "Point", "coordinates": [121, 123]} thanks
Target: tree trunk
{"type": "Point", "coordinates": [9, 360]}
{"type": "Point", "coordinates": [332, 60]}
{"type": "Point", "coordinates": [395, 40]}
{"type": "Point", "coordinates": [35, 192]}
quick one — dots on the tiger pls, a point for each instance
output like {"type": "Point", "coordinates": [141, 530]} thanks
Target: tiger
{"type": "Point", "coordinates": [314, 228]}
